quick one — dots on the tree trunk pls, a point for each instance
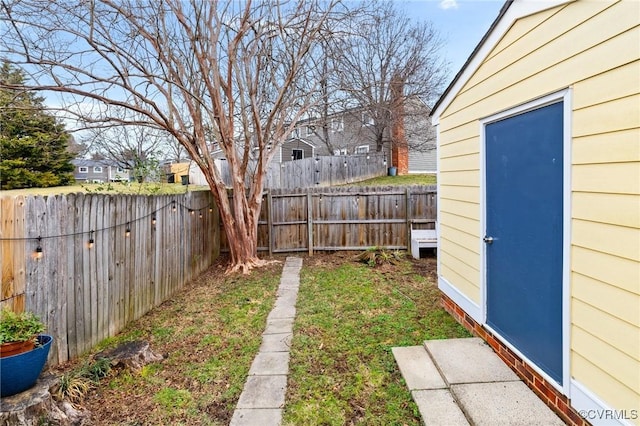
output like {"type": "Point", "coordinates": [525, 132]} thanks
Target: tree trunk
{"type": "Point", "coordinates": [239, 214]}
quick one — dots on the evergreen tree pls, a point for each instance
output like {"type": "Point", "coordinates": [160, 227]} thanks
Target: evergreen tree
{"type": "Point", "coordinates": [33, 144]}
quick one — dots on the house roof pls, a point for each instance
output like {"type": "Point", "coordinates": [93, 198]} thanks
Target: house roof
{"type": "Point", "coordinates": [90, 163]}
{"type": "Point", "coordinates": [510, 12]}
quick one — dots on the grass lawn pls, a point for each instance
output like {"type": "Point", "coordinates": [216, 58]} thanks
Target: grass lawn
{"type": "Point", "coordinates": [341, 369]}
{"type": "Point", "coordinates": [112, 188]}
{"type": "Point", "coordinates": [429, 179]}
{"type": "Point", "coordinates": [349, 317]}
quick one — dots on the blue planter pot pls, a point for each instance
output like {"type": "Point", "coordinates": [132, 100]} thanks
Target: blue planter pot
{"type": "Point", "coordinates": [20, 372]}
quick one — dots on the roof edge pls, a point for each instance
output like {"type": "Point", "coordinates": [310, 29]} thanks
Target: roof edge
{"type": "Point", "coordinates": [520, 9]}
{"type": "Point", "coordinates": [484, 38]}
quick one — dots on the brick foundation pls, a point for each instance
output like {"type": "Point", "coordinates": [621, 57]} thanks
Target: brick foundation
{"type": "Point", "coordinates": [546, 392]}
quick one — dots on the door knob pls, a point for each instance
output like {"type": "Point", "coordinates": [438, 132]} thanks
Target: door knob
{"type": "Point", "coordinates": [487, 239]}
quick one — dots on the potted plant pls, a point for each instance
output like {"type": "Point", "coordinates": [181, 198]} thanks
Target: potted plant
{"type": "Point", "coordinates": [23, 351]}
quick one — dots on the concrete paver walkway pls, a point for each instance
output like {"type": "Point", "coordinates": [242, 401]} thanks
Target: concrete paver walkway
{"type": "Point", "coordinates": [262, 398]}
{"type": "Point", "coordinates": [463, 382]}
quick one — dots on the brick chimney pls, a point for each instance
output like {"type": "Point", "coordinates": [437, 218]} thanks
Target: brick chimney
{"type": "Point", "coordinates": [399, 146]}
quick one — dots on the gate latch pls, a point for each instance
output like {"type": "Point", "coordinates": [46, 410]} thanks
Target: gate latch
{"type": "Point", "coordinates": [487, 239]}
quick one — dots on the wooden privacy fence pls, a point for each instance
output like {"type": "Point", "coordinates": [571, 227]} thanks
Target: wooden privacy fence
{"type": "Point", "coordinates": [343, 218]}
{"type": "Point", "coordinates": [89, 264]}
{"type": "Point", "coordinates": [325, 171]}
{"type": "Point", "coordinates": [309, 172]}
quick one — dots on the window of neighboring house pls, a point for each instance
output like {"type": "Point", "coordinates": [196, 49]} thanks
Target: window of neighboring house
{"type": "Point", "coordinates": [97, 169]}
{"type": "Point", "coordinates": [311, 130]}
{"type": "Point", "coordinates": [362, 149]}
{"type": "Point", "coordinates": [83, 169]}
{"type": "Point", "coordinates": [297, 154]}
{"type": "Point", "coordinates": [343, 151]}
{"type": "Point", "coordinates": [337, 124]}
{"type": "Point", "coordinates": [119, 170]}
{"type": "Point", "coordinates": [367, 119]}
{"type": "Point", "coordinates": [295, 133]}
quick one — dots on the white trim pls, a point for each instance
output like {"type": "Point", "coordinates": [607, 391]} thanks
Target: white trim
{"type": "Point", "coordinates": [560, 96]}
{"type": "Point", "coordinates": [517, 10]}
{"type": "Point", "coordinates": [293, 151]}
{"type": "Point", "coordinates": [438, 204]}
{"type": "Point", "coordinates": [596, 411]}
{"type": "Point", "coordinates": [460, 299]}
{"type": "Point", "coordinates": [298, 140]}
{"type": "Point", "coordinates": [358, 150]}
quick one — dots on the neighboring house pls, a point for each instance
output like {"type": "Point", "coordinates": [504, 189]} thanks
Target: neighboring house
{"type": "Point", "coordinates": [539, 201]}
{"type": "Point", "coordinates": [176, 172]}
{"type": "Point", "coordinates": [350, 133]}
{"type": "Point", "coordinates": [98, 171]}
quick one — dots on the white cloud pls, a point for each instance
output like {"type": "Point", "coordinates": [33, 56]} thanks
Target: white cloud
{"type": "Point", "coordinates": [448, 4]}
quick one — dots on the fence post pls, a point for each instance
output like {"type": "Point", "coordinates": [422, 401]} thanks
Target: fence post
{"type": "Point", "coordinates": [310, 223]}
{"type": "Point", "coordinates": [407, 213]}
{"type": "Point", "coordinates": [270, 222]}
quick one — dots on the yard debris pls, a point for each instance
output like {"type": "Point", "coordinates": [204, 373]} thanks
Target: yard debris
{"type": "Point", "coordinates": [133, 355]}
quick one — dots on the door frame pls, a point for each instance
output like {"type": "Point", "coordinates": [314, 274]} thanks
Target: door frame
{"type": "Point", "coordinates": [560, 96]}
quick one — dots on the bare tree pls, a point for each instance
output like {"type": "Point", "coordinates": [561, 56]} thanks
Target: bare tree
{"type": "Point", "coordinates": [131, 147]}
{"type": "Point", "coordinates": [238, 71]}
{"type": "Point", "coordinates": [388, 48]}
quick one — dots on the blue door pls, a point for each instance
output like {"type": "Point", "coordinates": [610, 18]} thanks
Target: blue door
{"type": "Point", "coordinates": [524, 210]}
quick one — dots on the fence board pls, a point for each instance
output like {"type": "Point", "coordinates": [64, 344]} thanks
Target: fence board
{"type": "Point", "coordinates": [344, 218]}
{"type": "Point", "coordinates": [86, 294]}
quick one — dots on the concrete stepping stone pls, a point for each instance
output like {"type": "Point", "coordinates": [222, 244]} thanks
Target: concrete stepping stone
{"type": "Point", "coordinates": [437, 407]}
{"type": "Point", "coordinates": [270, 363]}
{"type": "Point", "coordinates": [256, 416]}
{"type": "Point", "coordinates": [417, 368]}
{"type": "Point", "coordinates": [468, 360]}
{"type": "Point", "coordinates": [504, 403]}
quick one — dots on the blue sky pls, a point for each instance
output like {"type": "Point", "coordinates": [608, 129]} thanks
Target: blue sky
{"type": "Point", "coordinates": [461, 24]}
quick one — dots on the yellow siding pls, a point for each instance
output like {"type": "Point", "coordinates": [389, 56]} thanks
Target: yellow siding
{"type": "Point", "coordinates": [615, 84]}
{"type": "Point", "coordinates": [463, 162]}
{"type": "Point", "coordinates": [463, 193]}
{"type": "Point", "coordinates": [456, 177]}
{"type": "Point", "coordinates": [618, 303]}
{"type": "Point", "coordinates": [617, 178]}
{"type": "Point", "coordinates": [468, 131]}
{"type": "Point", "coordinates": [460, 208]}
{"type": "Point", "coordinates": [601, 354]}
{"type": "Point", "coordinates": [460, 147]}
{"type": "Point", "coordinates": [548, 40]}
{"type": "Point", "coordinates": [619, 114]}
{"type": "Point", "coordinates": [469, 289]}
{"type": "Point", "coordinates": [619, 272]}
{"type": "Point", "coordinates": [525, 75]}
{"type": "Point", "coordinates": [614, 209]}
{"type": "Point", "coordinates": [468, 226]}
{"type": "Point", "coordinates": [614, 147]}
{"type": "Point", "coordinates": [524, 27]}
{"type": "Point", "coordinates": [607, 387]}
{"type": "Point", "coordinates": [616, 240]}
{"type": "Point", "coordinates": [462, 238]}
{"type": "Point", "coordinates": [466, 254]}
{"type": "Point", "coordinates": [594, 49]}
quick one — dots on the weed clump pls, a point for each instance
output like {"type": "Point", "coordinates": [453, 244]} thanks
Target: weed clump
{"type": "Point", "coordinates": [377, 256]}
